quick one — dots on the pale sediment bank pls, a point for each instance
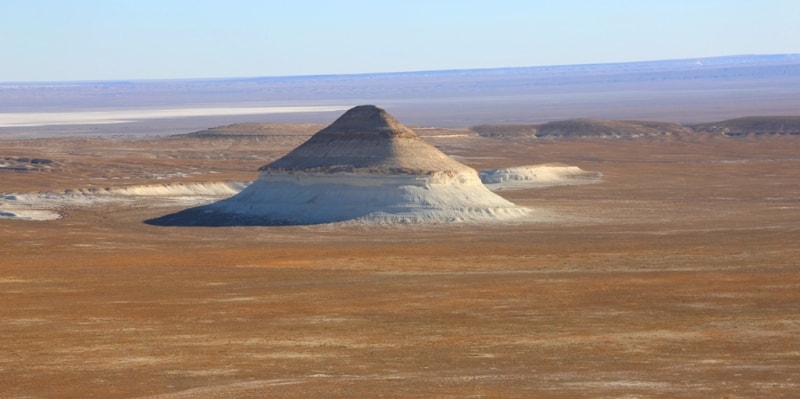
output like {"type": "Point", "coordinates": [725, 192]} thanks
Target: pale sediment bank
{"type": "Point", "coordinates": [45, 205]}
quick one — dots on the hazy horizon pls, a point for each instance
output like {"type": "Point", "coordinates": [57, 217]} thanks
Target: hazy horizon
{"type": "Point", "coordinates": [53, 41]}
{"type": "Point", "coordinates": [684, 91]}
{"type": "Point", "coordinates": [401, 72]}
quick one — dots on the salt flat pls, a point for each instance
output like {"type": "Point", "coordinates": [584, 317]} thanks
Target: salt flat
{"type": "Point", "coordinates": [31, 119]}
{"type": "Point", "coordinates": [684, 91]}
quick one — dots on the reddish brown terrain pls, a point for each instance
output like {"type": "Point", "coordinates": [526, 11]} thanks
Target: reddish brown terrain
{"type": "Point", "coordinates": [675, 276]}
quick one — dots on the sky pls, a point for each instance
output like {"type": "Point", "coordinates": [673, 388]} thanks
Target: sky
{"type": "Point", "coordinates": [57, 40]}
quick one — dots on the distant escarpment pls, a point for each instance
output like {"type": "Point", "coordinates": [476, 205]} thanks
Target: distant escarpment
{"type": "Point", "coordinates": [584, 128]}
{"type": "Point", "coordinates": [753, 125]}
{"type": "Point", "coordinates": [602, 128]}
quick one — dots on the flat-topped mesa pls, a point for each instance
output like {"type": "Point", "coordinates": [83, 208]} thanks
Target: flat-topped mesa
{"type": "Point", "coordinates": [366, 139]}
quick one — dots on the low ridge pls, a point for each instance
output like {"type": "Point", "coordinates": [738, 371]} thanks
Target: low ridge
{"type": "Point", "coordinates": [255, 129]}
{"type": "Point", "coordinates": [603, 128]}
{"type": "Point", "coordinates": [753, 125]}
{"type": "Point", "coordinates": [585, 128]}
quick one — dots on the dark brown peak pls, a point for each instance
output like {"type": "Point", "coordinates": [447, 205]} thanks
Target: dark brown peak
{"type": "Point", "coordinates": [367, 120]}
{"type": "Point", "coordinates": [366, 139]}
{"type": "Point", "coordinates": [365, 114]}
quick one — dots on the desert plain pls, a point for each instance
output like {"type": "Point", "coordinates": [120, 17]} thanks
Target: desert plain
{"type": "Point", "coordinates": [676, 275]}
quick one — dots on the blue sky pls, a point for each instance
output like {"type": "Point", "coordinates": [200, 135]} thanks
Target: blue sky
{"type": "Point", "coordinates": [54, 40]}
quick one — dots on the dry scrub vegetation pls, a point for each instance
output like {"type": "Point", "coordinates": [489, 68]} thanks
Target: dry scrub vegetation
{"type": "Point", "coordinates": [677, 276]}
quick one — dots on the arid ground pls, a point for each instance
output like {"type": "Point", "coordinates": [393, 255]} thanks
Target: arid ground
{"type": "Point", "coordinates": [676, 276]}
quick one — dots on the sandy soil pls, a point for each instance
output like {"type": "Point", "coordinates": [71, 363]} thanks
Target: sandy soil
{"type": "Point", "coordinates": [676, 276]}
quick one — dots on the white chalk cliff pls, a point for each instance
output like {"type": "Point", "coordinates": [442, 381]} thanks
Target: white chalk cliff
{"type": "Point", "coordinates": [365, 167]}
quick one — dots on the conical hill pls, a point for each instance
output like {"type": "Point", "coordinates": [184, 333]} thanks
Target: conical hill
{"type": "Point", "coordinates": [366, 139]}
{"type": "Point", "coordinates": [364, 167]}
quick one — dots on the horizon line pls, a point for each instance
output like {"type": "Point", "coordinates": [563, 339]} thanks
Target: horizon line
{"type": "Point", "coordinates": [407, 72]}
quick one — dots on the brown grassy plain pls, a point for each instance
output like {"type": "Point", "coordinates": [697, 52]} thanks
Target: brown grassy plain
{"type": "Point", "coordinates": [676, 276]}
